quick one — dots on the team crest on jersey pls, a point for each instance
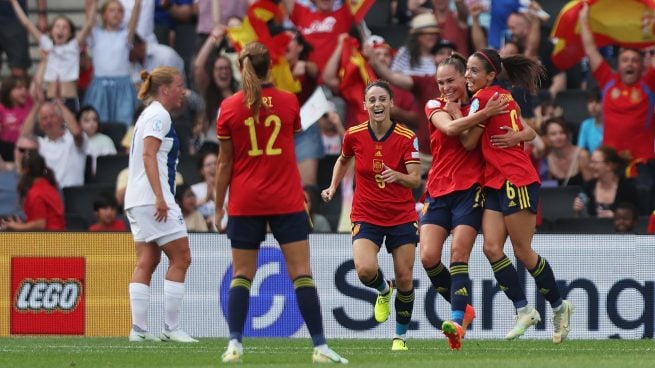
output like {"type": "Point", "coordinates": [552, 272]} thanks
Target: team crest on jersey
{"type": "Point", "coordinates": [378, 165]}
{"type": "Point", "coordinates": [433, 104]}
{"type": "Point", "coordinates": [615, 93]}
{"type": "Point", "coordinates": [475, 105]}
{"type": "Point", "coordinates": [415, 143]}
{"type": "Point", "coordinates": [157, 125]}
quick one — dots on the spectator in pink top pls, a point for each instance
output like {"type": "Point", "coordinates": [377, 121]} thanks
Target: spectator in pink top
{"type": "Point", "coordinates": [15, 105]}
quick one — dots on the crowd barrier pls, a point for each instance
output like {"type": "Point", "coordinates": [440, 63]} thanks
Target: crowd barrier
{"type": "Point", "coordinates": [76, 284]}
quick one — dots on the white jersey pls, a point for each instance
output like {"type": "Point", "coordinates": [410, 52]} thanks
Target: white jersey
{"type": "Point", "coordinates": [155, 121]}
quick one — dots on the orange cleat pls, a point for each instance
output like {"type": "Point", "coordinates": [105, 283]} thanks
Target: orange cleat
{"type": "Point", "coordinates": [469, 316]}
{"type": "Point", "coordinates": [454, 333]}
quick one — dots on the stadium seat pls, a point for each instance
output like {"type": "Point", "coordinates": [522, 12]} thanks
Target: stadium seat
{"type": "Point", "coordinates": [644, 194]}
{"type": "Point", "coordinates": [574, 105]}
{"type": "Point", "coordinates": [558, 202]}
{"type": "Point", "coordinates": [78, 200]}
{"type": "Point", "coordinates": [115, 131]}
{"type": "Point", "coordinates": [188, 167]}
{"type": "Point", "coordinates": [108, 167]}
{"type": "Point", "coordinates": [332, 209]}
{"type": "Point", "coordinates": [584, 225]}
{"type": "Point", "coordinates": [642, 224]}
{"type": "Point", "coordinates": [75, 222]}
{"type": "Point", "coordinates": [88, 170]}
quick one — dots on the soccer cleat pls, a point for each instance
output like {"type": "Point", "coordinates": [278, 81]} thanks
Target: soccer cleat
{"type": "Point", "coordinates": [561, 321]}
{"type": "Point", "coordinates": [383, 305]}
{"type": "Point", "coordinates": [232, 354]}
{"type": "Point", "coordinates": [469, 316]}
{"type": "Point", "coordinates": [522, 321]}
{"type": "Point", "coordinates": [327, 355]}
{"type": "Point", "coordinates": [454, 333]}
{"type": "Point", "coordinates": [136, 336]}
{"type": "Point", "coordinates": [399, 345]}
{"type": "Point", "coordinates": [176, 335]}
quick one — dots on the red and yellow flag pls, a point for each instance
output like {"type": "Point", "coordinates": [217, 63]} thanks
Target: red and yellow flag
{"type": "Point", "coordinates": [255, 28]}
{"type": "Point", "coordinates": [359, 8]}
{"type": "Point", "coordinates": [355, 73]}
{"type": "Point", "coordinates": [628, 23]}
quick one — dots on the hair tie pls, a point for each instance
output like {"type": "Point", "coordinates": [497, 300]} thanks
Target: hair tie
{"type": "Point", "coordinates": [488, 60]}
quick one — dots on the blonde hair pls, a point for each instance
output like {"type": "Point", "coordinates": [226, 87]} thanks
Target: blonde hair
{"type": "Point", "coordinates": [160, 76]}
{"type": "Point", "coordinates": [255, 63]}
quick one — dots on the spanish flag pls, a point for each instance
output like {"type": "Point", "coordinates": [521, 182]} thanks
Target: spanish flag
{"type": "Point", "coordinates": [359, 8]}
{"type": "Point", "coordinates": [355, 73]}
{"type": "Point", "coordinates": [255, 27]}
{"type": "Point", "coordinates": [628, 23]}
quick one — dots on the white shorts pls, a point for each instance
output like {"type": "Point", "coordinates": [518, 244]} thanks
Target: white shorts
{"type": "Point", "coordinates": [145, 228]}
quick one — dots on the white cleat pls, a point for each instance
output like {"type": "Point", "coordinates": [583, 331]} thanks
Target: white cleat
{"type": "Point", "coordinates": [523, 320]}
{"type": "Point", "coordinates": [562, 321]}
{"type": "Point", "coordinates": [327, 355]}
{"type": "Point", "coordinates": [176, 335]}
{"type": "Point", "coordinates": [232, 354]}
{"type": "Point", "coordinates": [136, 336]}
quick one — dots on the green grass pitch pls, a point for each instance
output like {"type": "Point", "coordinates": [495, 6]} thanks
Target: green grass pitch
{"type": "Point", "coordinates": [51, 352]}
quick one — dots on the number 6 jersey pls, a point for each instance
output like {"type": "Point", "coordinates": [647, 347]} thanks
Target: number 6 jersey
{"type": "Point", "coordinates": [265, 178]}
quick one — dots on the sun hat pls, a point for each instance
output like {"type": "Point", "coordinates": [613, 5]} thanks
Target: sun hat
{"type": "Point", "coordinates": [424, 23]}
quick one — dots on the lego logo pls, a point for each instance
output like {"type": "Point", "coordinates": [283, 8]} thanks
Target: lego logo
{"type": "Point", "coordinates": [48, 295]}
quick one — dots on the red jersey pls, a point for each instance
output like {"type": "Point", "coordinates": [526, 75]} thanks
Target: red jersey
{"type": "Point", "coordinates": [628, 112]}
{"type": "Point", "coordinates": [502, 164]}
{"type": "Point", "coordinates": [117, 225]}
{"type": "Point", "coordinates": [453, 167]}
{"type": "Point", "coordinates": [265, 178]}
{"type": "Point", "coordinates": [321, 29]}
{"type": "Point", "coordinates": [377, 202]}
{"type": "Point", "coordinates": [425, 87]}
{"type": "Point", "coordinates": [44, 202]}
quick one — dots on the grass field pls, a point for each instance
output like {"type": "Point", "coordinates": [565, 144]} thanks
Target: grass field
{"type": "Point", "coordinates": [118, 352]}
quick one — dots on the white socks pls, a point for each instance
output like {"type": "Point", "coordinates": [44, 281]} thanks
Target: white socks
{"type": "Point", "coordinates": [139, 302]}
{"type": "Point", "coordinates": [173, 295]}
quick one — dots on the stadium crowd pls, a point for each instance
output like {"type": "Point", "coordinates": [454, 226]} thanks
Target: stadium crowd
{"type": "Point", "coordinates": [78, 103]}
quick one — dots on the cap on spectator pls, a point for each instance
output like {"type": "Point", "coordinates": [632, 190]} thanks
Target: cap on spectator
{"type": "Point", "coordinates": [376, 41]}
{"type": "Point", "coordinates": [424, 23]}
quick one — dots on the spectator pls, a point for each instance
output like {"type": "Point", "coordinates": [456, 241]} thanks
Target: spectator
{"type": "Point", "coordinates": [42, 203]}
{"type": "Point", "coordinates": [106, 208]}
{"type": "Point", "coordinates": [10, 175]}
{"type": "Point", "coordinates": [320, 223]}
{"type": "Point", "coordinates": [175, 25]}
{"type": "Point", "coordinates": [565, 163]}
{"type": "Point", "coordinates": [186, 199]}
{"type": "Point", "coordinates": [628, 124]}
{"type": "Point", "coordinates": [591, 129]}
{"type": "Point", "coordinates": [64, 144]}
{"type": "Point", "coordinates": [208, 12]}
{"type": "Point", "coordinates": [607, 189]}
{"type": "Point", "coordinates": [230, 8]}
{"type": "Point", "coordinates": [415, 58]}
{"type": "Point", "coordinates": [146, 18]}
{"type": "Point", "coordinates": [453, 24]}
{"type": "Point", "coordinates": [63, 51]}
{"type": "Point", "coordinates": [625, 218]}
{"type": "Point", "coordinates": [15, 105]}
{"type": "Point", "coordinates": [149, 55]}
{"type": "Point", "coordinates": [121, 185]}
{"type": "Point", "coordinates": [99, 144]}
{"type": "Point", "coordinates": [204, 191]}
{"type": "Point", "coordinates": [13, 37]}
{"type": "Point", "coordinates": [189, 122]}
{"type": "Point", "coordinates": [111, 91]}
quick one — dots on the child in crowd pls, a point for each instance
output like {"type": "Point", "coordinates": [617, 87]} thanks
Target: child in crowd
{"type": "Point", "coordinates": [111, 91]}
{"type": "Point", "coordinates": [62, 46]}
{"type": "Point", "coordinates": [99, 144]}
{"type": "Point", "coordinates": [625, 218]}
{"type": "Point", "coordinates": [106, 208]}
{"type": "Point", "coordinates": [591, 129]}
{"type": "Point", "coordinates": [186, 199]}
{"type": "Point", "coordinates": [15, 105]}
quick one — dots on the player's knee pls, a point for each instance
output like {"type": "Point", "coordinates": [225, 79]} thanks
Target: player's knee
{"type": "Point", "coordinates": [492, 252]}
{"type": "Point", "coordinates": [404, 280]}
{"type": "Point", "coordinates": [366, 273]}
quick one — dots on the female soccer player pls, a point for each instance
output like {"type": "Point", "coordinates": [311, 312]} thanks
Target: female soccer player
{"type": "Point", "coordinates": [155, 219]}
{"type": "Point", "coordinates": [512, 193]}
{"type": "Point", "coordinates": [255, 129]}
{"type": "Point", "coordinates": [387, 167]}
{"type": "Point", "coordinates": [454, 198]}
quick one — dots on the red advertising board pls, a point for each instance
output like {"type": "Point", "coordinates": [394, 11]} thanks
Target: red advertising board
{"type": "Point", "coordinates": [47, 295]}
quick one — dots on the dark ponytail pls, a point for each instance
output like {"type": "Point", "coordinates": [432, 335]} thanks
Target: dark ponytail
{"type": "Point", "coordinates": [521, 71]}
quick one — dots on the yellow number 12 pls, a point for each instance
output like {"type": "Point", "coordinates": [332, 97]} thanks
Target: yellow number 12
{"type": "Point", "coordinates": [254, 146]}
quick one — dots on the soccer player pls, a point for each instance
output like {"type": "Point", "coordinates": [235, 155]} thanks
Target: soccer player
{"type": "Point", "coordinates": [155, 219]}
{"type": "Point", "coordinates": [387, 167]}
{"type": "Point", "coordinates": [512, 192]}
{"type": "Point", "coordinates": [256, 159]}
{"type": "Point", "coordinates": [454, 197]}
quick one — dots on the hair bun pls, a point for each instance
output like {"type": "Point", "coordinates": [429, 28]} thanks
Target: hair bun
{"type": "Point", "coordinates": [144, 75]}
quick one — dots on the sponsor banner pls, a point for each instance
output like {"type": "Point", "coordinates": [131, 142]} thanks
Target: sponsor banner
{"type": "Point", "coordinates": [47, 295]}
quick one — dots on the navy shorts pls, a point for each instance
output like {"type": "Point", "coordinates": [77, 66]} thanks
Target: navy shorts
{"type": "Point", "coordinates": [463, 207]}
{"type": "Point", "coordinates": [510, 199]}
{"type": "Point", "coordinates": [392, 236]}
{"type": "Point", "coordinates": [248, 232]}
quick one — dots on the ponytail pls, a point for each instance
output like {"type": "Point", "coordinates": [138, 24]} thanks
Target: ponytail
{"type": "Point", "coordinates": [521, 71]}
{"type": "Point", "coordinates": [161, 75]}
{"type": "Point", "coordinates": [255, 63]}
